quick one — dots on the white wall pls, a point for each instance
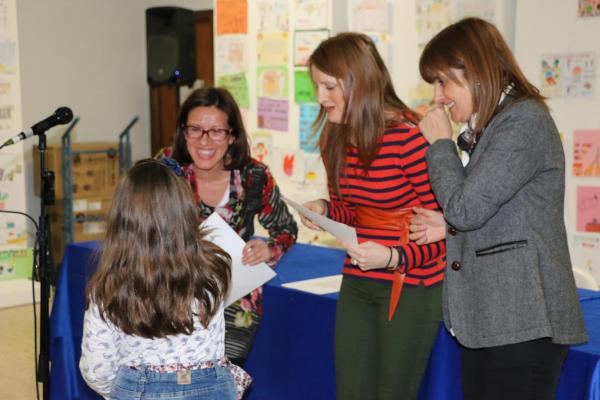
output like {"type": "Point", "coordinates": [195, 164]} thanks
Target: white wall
{"type": "Point", "coordinates": [90, 56]}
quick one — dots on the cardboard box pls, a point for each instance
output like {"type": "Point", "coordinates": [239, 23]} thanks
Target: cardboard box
{"type": "Point", "coordinates": [16, 264]}
{"type": "Point", "coordinates": [88, 219]}
{"type": "Point", "coordinates": [94, 172]}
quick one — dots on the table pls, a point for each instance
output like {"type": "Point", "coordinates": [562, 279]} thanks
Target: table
{"type": "Point", "coordinates": [292, 357]}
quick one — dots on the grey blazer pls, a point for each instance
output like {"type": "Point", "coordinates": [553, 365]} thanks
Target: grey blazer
{"type": "Point", "coordinates": [509, 276]}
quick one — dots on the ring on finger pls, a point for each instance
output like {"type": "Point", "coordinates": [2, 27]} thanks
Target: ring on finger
{"type": "Point", "coordinates": [354, 261]}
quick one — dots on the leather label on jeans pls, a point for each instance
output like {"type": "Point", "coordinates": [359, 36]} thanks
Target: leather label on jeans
{"type": "Point", "coordinates": [184, 377]}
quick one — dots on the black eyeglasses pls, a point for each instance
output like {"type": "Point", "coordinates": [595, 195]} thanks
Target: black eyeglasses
{"type": "Point", "coordinates": [194, 132]}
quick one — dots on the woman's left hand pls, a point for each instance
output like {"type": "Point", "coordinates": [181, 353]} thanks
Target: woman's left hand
{"type": "Point", "coordinates": [368, 255]}
{"type": "Point", "coordinates": [256, 251]}
{"type": "Point", "coordinates": [436, 125]}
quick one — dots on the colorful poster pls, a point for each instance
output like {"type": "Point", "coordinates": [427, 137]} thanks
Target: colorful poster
{"type": "Point", "coordinates": [273, 15]}
{"type": "Point", "coordinates": [273, 114]}
{"type": "Point", "coordinates": [8, 56]}
{"type": "Point", "coordinates": [232, 16]}
{"type": "Point", "coordinates": [484, 9]}
{"type": "Point", "coordinates": [589, 8]}
{"type": "Point", "coordinates": [584, 254]}
{"type": "Point", "coordinates": [272, 81]}
{"type": "Point", "coordinates": [311, 14]}
{"type": "Point", "coordinates": [420, 97]}
{"type": "Point", "coordinates": [15, 264]}
{"type": "Point", "coordinates": [309, 139]}
{"type": "Point", "coordinates": [431, 17]}
{"type": "Point", "coordinates": [262, 146]}
{"type": "Point", "coordinates": [586, 153]}
{"type": "Point", "coordinates": [272, 48]}
{"type": "Point", "coordinates": [305, 42]}
{"type": "Point", "coordinates": [238, 86]}
{"type": "Point", "coordinates": [568, 75]}
{"type": "Point", "coordinates": [383, 43]}
{"type": "Point", "coordinates": [231, 54]}
{"type": "Point", "coordinates": [370, 15]}
{"type": "Point", "coordinates": [304, 89]}
{"type": "Point", "coordinates": [588, 209]}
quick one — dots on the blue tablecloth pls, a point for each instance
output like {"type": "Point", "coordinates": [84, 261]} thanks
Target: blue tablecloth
{"type": "Point", "coordinates": [292, 357]}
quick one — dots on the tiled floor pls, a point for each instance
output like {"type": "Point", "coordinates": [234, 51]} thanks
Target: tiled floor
{"type": "Point", "coordinates": [17, 370]}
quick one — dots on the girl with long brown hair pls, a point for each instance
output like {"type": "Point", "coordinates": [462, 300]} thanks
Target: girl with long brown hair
{"type": "Point", "coordinates": [374, 155]}
{"type": "Point", "coordinates": [154, 321]}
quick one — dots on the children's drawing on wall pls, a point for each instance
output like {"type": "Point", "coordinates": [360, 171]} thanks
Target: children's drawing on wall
{"type": "Point", "coordinates": [584, 254]}
{"type": "Point", "coordinates": [309, 139]}
{"type": "Point", "coordinates": [16, 263]}
{"type": "Point", "coordinates": [384, 47]}
{"type": "Point", "coordinates": [586, 153]}
{"type": "Point", "coordinates": [232, 16]}
{"type": "Point", "coordinates": [273, 15]}
{"type": "Point", "coordinates": [588, 209]}
{"type": "Point", "coordinates": [420, 97]}
{"type": "Point", "coordinates": [311, 14]}
{"type": "Point", "coordinates": [370, 15]}
{"type": "Point", "coordinates": [568, 75]}
{"type": "Point", "coordinates": [12, 231]}
{"type": "Point", "coordinates": [431, 16]}
{"type": "Point", "coordinates": [305, 42]}
{"type": "Point", "coordinates": [231, 54]}
{"type": "Point", "coordinates": [273, 114]}
{"type": "Point", "coordinates": [237, 84]}
{"type": "Point", "coordinates": [272, 81]}
{"type": "Point", "coordinates": [272, 48]}
{"type": "Point", "coordinates": [304, 89]}
{"type": "Point", "coordinates": [589, 8]}
{"type": "Point", "coordinates": [8, 54]}
{"type": "Point", "coordinates": [262, 146]}
{"type": "Point", "coordinates": [314, 172]}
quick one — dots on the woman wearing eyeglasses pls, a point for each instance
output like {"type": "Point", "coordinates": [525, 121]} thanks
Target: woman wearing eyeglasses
{"type": "Point", "coordinates": [212, 147]}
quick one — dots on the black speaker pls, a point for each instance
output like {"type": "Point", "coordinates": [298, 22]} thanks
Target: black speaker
{"type": "Point", "coordinates": [170, 45]}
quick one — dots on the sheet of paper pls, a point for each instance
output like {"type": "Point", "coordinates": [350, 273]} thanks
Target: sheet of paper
{"type": "Point", "coordinates": [244, 278]}
{"type": "Point", "coordinates": [324, 285]}
{"type": "Point", "coordinates": [337, 229]}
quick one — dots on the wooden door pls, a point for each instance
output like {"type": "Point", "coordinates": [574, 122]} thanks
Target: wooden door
{"type": "Point", "coordinates": [164, 99]}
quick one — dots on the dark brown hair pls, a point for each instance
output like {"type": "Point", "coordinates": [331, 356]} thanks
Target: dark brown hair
{"type": "Point", "coordinates": [477, 47]}
{"type": "Point", "coordinates": [353, 59]}
{"type": "Point", "coordinates": [155, 262]}
{"type": "Point", "coordinates": [238, 153]}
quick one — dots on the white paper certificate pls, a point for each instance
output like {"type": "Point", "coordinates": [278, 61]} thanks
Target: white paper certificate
{"type": "Point", "coordinates": [244, 278]}
{"type": "Point", "coordinates": [324, 285]}
{"type": "Point", "coordinates": [340, 231]}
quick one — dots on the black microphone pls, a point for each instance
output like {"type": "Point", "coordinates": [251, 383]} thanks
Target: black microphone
{"type": "Point", "coordinates": [62, 115]}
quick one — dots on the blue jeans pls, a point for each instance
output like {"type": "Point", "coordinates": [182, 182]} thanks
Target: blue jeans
{"type": "Point", "coordinates": [205, 384]}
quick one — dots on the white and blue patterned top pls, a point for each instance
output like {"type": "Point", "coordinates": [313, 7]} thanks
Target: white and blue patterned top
{"type": "Point", "coordinates": [104, 348]}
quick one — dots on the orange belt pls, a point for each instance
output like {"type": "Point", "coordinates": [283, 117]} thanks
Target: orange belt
{"type": "Point", "coordinates": [397, 220]}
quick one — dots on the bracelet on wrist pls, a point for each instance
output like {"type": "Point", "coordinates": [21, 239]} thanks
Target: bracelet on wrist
{"type": "Point", "coordinates": [387, 264]}
{"type": "Point", "coordinates": [397, 265]}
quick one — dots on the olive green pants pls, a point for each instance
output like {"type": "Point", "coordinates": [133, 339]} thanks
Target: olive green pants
{"type": "Point", "coordinates": [377, 359]}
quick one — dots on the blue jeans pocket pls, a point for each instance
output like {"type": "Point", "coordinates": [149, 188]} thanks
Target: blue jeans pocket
{"type": "Point", "coordinates": [204, 384]}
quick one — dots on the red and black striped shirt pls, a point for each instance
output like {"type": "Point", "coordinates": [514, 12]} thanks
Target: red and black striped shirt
{"type": "Point", "coordinates": [397, 178]}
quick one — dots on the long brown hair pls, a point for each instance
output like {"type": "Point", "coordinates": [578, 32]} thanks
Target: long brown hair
{"type": "Point", "coordinates": [155, 262]}
{"type": "Point", "coordinates": [353, 59]}
{"type": "Point", "coordinates": [477, 47]}
{"type": "Point", "coordinates": [238, 153]}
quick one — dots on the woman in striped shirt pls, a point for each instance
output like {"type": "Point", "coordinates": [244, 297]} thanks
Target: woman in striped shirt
{"type": "Point", "coordinates": [374, 155]}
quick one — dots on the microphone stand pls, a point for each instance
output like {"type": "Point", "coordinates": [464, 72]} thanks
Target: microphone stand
{"type": "Point", "coordinates": [45, 268]}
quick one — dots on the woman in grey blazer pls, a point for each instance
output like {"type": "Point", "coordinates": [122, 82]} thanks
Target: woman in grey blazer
{"type": "Point", "coordinates": [509, 294]}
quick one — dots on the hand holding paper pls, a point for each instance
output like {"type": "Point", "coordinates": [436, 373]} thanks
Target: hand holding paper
{"type": "Point", "coordinates": [341, 231]}
{"type": "Point", "coordinates": [244, 278]}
